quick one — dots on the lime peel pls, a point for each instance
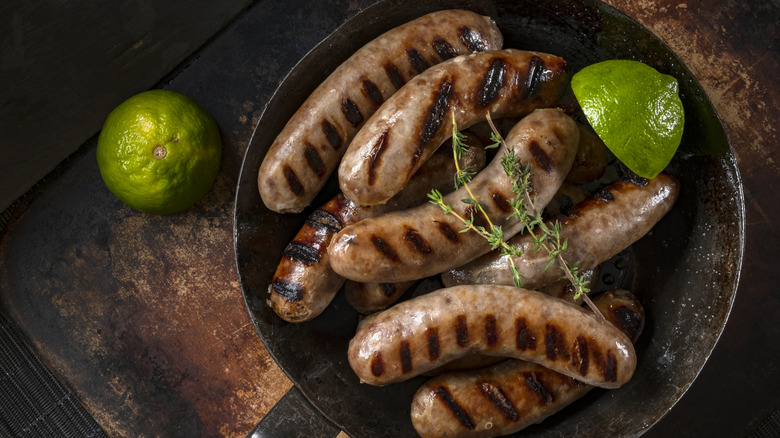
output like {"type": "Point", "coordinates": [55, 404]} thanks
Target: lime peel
{"type": "Point", "coordinates": [635, 110]}
{"type": "Point", "coordinates": [159, 152]}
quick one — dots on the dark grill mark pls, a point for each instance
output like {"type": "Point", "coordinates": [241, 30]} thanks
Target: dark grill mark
{"type": "Point", "coordinates": [416, 59]}
{"type": "Point", "coordinates": [524, 338]}
{"type": "Point", "coordinates": [628, 321]}
{"type": "Point", "coordinates": [293, 182]}
{"type": "Point", "coordinates": [405, 354]}
{"type": "Point", "coordinates": [434, 119]}
{"type": "Point", "coordinates": [610, 370]}
{"type": "Point", "coordinates": [323, 219]}
{"type": "Point", "coordinates": [463, 418]}
{"type": "Point", "coordinates": [376, 157]}
{"type": "Point", "coordinates": [448, 232]}
{"type": "Point", "coordinates": [499, 398]}
{"type": "Point", "coordinates": [476, 216]}
{"type": "Point", "coordinates": [541, 157]}
{"type": "Point", "coordinates": [332, 135]}
{"type": "Point", "coordinates": [394, 75]}
{"type": "Point", "coordinates": [579, 355]}
{"type": "Point", "coordinates": [388, 289]}
{"type": "Point", "coordinates": [461, 330]}
{"type": "Point", "coordinates": [373, 92]}
{"type": "Point", "coordinates": [416, 241]}
{"type": "Point", "coordinates": [538, 388]}
{"type": "Point", "coordinates": [603, 194]}
{"type": "Point", "coordinates": [491, 333]}
{"type": "Point", "coordinates": [432, 334]}
{"type": "Point", "coordinates": [377, 365]}
{"type": "Point", "coordinates": [302, 253]}
{"type": "Point", "coordinates": [385, 249]}
{"type": "Point", "coordinates": [470, 39]}
{"type": "Point", "coordinates": [554, 343]}
{"type": "Point", "coordinates": [598, 360]}
{"type": "Point", "coordinates": [533, 80]}
{"type": "Point", "coordinates": [314, 161]}
{"type": "Point", "coordinates": [443, 48]}
{"type": "Point", "coordinates": [351, 112]}
{"type": "Point", "coordinates": [290, 291]}
{"type": "Point", "coordinates": [492, 83]}
{"type": "Point", "coordinates": [501, 203]}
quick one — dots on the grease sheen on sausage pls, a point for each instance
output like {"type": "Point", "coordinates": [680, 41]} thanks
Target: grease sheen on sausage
{"type": "Point", "coordinates": [424, 241]}
{"type": "Point", "coordinates": [310, 146]}
{"type": "Point", "coordinates": [421, 334]}
{"type": "Point", "coordinates": [507, 397]}
{"type": "Point", "coordinates": [416, 120]}
{"type": "Point", "coordinates": [596, 229]}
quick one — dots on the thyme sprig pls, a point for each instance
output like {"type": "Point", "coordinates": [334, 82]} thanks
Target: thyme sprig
{"type": "Point", "coordinates": [494, 234]}
{"type": "Point", "coordinates": [523, 209]}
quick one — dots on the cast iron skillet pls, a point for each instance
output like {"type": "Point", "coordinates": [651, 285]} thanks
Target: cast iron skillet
{"type": "Point", "coordinates": [685, 271]}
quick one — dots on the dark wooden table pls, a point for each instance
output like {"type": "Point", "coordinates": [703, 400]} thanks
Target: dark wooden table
{"type": "Point", "coordinates": [142, 318]}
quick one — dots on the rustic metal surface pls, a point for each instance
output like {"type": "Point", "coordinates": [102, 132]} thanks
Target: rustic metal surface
{"type": "Point", "coordinates": [142, 316]}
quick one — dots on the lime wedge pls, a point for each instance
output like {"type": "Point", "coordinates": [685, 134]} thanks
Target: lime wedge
{"type": "Point", "coordinates": [635, 110]}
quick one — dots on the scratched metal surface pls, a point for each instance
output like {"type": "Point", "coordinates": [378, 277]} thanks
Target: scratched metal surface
{"type": "Point", "coordinates": [142, 316]}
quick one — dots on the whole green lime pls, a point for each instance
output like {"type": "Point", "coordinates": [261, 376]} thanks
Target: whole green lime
{"type": "Point", "coordinates": [636, 111]}
{"type": "Point", "coordinates": [159, 152]}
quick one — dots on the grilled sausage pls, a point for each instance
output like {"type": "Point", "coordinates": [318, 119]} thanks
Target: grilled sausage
{"type": "Point", "coordinates": [304, 283]}
{"type": "Point", "coordinates": [311, 144]}
{"type": "Point", "coordinates": [368, 298]}
{"type": "Point", "coordinates": [507, 397]}
{"type": "Point", "coordinates": [424, 241]}
{"type": "Point", "coordinates": [596, 229]}
{"type": "Point", "coordinates": [423, 333]}
{"type": "Point", "coordinates": [564, 290]}
{"type": "Point", "coordinates": [591, 159]}
{"type": "Point", "coordinates": [415, 121]}
{"type": "Point", "coordinates": [567, 196]}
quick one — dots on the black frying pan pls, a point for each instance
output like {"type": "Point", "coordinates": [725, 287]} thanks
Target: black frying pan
{"type": "Point", "coordinates": [685, 271]}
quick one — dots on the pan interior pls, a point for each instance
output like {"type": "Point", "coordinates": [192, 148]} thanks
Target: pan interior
{"type": "Point", "coordinates": [685, 271]}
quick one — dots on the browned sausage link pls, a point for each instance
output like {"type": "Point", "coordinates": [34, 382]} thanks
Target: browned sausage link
{"type": "Point", "coordinates": [567, 196]}
{"type": "Point", "coordinates": [564, 290]}
{"type": "Point", "coordinates": [596, 229]}
{"type": "Point", "coordinates": [623, 310]}
{"type": "Point", "coordinates": [421, 334]}
{"type": "Point", "coordinates": [413, 123]}
{"type": "Point", "coordinates": [505, 398]}
{"type": "Point", "coordinates": [310, 146]}
{"type": "Point", "coordinates": [591, 159]}
{"type": "Point", "coordinates": [304, 283]}
{"type": "Point", "coordinates": [424, 241]}
{"type": "Point", "coordinates": [368, 298]}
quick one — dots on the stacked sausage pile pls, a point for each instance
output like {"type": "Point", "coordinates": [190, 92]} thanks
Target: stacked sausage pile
{"type": "Point", "coordinates": [380, 118]}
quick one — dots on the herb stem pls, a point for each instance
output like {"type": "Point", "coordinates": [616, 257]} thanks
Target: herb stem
{"type": "Point", "coordinates": [549, 238]}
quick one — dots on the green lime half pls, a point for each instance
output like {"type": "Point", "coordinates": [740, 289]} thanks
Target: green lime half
{"type": "Point", "coordinates": [635, 110]}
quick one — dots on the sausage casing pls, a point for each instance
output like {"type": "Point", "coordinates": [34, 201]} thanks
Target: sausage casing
{"type": "Point", "coordinates": [310, 146]}
{"type": "Point", "coordinates": [304, 282]}
{"type": "Point", "coordinates": [596, 229]}
{"type": "Point", "coordinates": [424, 241]}
{"type": "Point", "coordinates": [591, 160]}
{"type": "Point", "coordinates": [421, 334]}
{"type": "Point", "coordinates": [507, 397]}
{"type": "Point", "coordinates": [416, 120]}
{"type": "Point", "coordinates": [368, 298]}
